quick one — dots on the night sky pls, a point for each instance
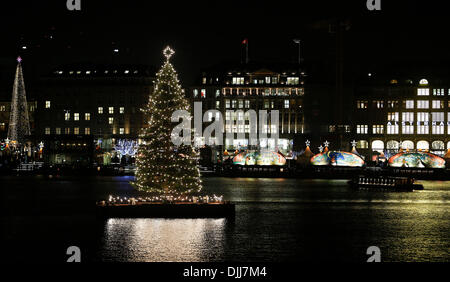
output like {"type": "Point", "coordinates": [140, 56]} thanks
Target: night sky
{"type": "Point", "coordinates": [207, 33]}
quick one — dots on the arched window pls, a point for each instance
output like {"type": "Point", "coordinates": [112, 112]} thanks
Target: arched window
{"type": "Point", "coordinates": [423, 81]}
{"type": "Point", "coordinates": [362, 144]}
{"type": "Point", "coordinates": [408, 145]}
{"type": "Point", "coordinates": [392, 145]}
{"type": "Point", "coordinates": [437, 145]}
{"type": "Point", "coordinates": [378, 145]}
{"type": "Point", "coordinates": [423, 145]}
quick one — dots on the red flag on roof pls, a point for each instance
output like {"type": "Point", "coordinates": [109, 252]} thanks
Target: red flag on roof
{"type": "Point", "coordinates": [245, 41]}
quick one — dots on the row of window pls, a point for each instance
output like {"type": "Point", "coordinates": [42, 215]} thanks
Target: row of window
{"type": "Point", "coordinates": [407, 144]}
{"type": "Point", "coordinates": [436, 128]}
{"type": "Point", "coordinates": [30, 107]}
{"type": "Point", "coordinates": [266, 80]}
{"type": "Point", "coordinates": [407, 104]}
{"type": "Point", "coordinates": [436, 92]}
{"type": "Point", "coordinates": [235, 104]}
{"type": "Point", "coordinates": [251, 91]}
{"type": "Point", "coordinates": [76, 130]}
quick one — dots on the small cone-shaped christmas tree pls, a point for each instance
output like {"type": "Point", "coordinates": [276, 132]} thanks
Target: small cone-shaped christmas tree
{"type": "Point", "coordinates": [162, 167]}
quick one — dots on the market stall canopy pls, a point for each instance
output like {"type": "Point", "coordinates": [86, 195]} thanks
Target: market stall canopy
{"type": "Point", "coordinates": [419, 159]}
{"type": "Point", "coordinates": [337, 158]}
{"type": "Point", "coordinates": [259, 158]}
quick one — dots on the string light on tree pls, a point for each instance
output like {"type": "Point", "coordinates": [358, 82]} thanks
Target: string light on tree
{"type": "Point", "coordinates": [162, 167]}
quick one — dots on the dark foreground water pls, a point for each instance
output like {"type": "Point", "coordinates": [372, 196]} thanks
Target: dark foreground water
{"type": "Point", "coordinates": [276, 220]}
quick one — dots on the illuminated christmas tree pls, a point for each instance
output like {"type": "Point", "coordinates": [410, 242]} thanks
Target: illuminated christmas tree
{"type": "Point", "coordinates": [19, 124]}
{"type": "Point", "coordinates": [162, 167]}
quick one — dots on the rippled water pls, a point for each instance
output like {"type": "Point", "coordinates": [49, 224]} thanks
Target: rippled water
{"type": "Point", "coordinates": [276, 220]}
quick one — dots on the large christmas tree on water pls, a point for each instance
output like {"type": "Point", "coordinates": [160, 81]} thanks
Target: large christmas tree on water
{"type": "Point", "coordinates": [162, 167]}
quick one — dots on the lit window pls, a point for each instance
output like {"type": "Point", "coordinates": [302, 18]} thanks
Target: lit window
{"type": "Point", "coordinates": [204, 80]}
{"type": "Point", "coordinates": [378, 104]}
{"type": "Point", "coordinates": [423, 91]}
{"type": "Point", "coordinates": [409, 104]}
{"type": "Point", "coordinates": [292, 81]}
{"type": "Point", "coordinates": [233, 104]}
{"type": "Point", "coordinates": [100, 110]}
{"type": "Point", "coordinates": [392, 126]}
{"type": "Point", "coordinates": [121, 110]}
{"type": "Point", "coordinates": [377, 129]}
{"type": "Point", "coordinates": [362, 144]}
{"type": "Point", "coordinates": [87, 130]}
{"type": "Point", "coordinates": [2, 108]}
{"type": "Point", "coordinates": [111, 110]}
{"type": "Point", "coordinates": [76, 130]}
{"type": "Point", "coordinates": [423, 104]}
{"type": "Point", "coordinates": [203, 93]}
{"type": "Point", "coordinates": [437, 104]}
{"type": "Point", "coordinates": [217, 104]}
{"type": "Point", "coordinates": [121, 130]}
{"type": "Point", "coordinates": [67, 116]}
{"type": "Point", "coordinates": [87, 116]}
{"type": "Point", "coordinates": [237, 80]}
{"type": "Point", "coordinates": [393, 116]}
{"type": "Point", "coordinates": [391, 104]}
{"type": "Point", "coordinates": [47, 104]}
{"type": "Point", "coordinates": [110, 120]}
{"type": "Point", "coordinates": [227, 103]}
{"type": "Point", "coordinates": [67, 130]}
{"type": "Point", "coordinates": [76, 116]}
{"type": "Point", "coordinates": [361, 104]}
{"type": "Point", "coordinates": [437, 125]}
{"type": "Point", "coordinates": [362, 129]}
{"type": "Point", "coordinates": [286, 104]}
{"type": "Point", "coordinates": [274, 80]}
{"type": "Point", "coordinates": [195, 91]}
{"type": "Point", "coordinates": [247, 103]}
{"type": "Point", "coordinates": [422, 125]}
{"type": "Point", "coordinates": [267, 79]}
{"type": "Point", "coordinates": [408, 123]}
{"type": "Point", "coordinates": [217, 92]}
{"type": "Point", "coordinates": [47, 130]}
{"type": "Point", "coordinates": [241, 104]}
{"type": "Point", "coordinates": [438, 92]}
{"type": "Point", "coordinates": [423, 81]}
{"type": "Point", "coordinates": [58, 130]}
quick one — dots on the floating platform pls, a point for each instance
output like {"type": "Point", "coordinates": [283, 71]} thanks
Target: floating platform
{"type": "Point", "coordinates": [167, 210]}
{"type": "Point", "coordinates": [385, 183]}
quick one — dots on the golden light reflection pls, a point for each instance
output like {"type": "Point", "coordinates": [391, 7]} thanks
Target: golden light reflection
{"type": "Point", "coordinates": [168, 240]}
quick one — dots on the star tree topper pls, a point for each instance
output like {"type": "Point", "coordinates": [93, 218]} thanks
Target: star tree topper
{"type": "Point", "coordinates": [168, 52]}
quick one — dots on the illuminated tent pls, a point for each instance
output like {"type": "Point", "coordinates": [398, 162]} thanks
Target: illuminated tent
{"type": "Point", "coordinates": [305, 157]}
{"type": "Point", "coordinates": [259, 158]}
{"type": "Point", "coordinates": [419, 159]}
{"type": "Point", "coordinates": [337, 158]}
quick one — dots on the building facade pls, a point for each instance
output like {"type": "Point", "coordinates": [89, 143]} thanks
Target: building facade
{"type": "Point", "coordinates": [233, 91]}
{"type": "Point", "coordinates": [98, 103]}
{"type": "Point", "coordinates": [408, 114]}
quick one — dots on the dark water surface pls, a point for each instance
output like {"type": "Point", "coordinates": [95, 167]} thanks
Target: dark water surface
{"type": "Point", "coordinates": [276, 220]}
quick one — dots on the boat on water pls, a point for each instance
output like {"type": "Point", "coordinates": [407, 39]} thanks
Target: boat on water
{"type": "Point", "coordinates": [385, 183]}
{"type": "Point", "coordinates": [166, 210]}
